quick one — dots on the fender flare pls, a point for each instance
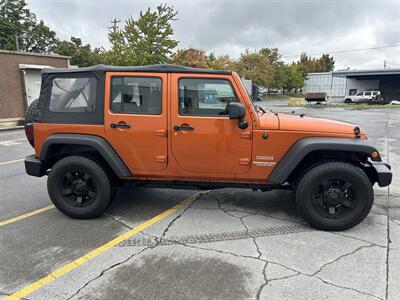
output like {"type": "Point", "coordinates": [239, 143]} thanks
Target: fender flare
{"type": "Point", "coordinates": [304, 146]}
{"type": "Point", "coordinates": [96, 142]}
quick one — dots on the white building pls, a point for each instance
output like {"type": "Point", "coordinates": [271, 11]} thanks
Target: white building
{"type": "Point", "coordinates": [338, 84]}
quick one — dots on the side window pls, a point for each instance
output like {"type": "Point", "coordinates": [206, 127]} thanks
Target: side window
{"type": "Point", "coordinates": [367, 93]}
{"type": "Point", "coordinates": [76, 95]}
{"type": "Point", "coordinates": [205, 97]}
{"type": "Point", "coordinates": [136, 95]}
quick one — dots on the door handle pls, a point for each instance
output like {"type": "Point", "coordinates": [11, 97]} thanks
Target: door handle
{"type": "Point", "coordinates": [183, 128]}
{"type": "Point", "coordinates": [120, 125]}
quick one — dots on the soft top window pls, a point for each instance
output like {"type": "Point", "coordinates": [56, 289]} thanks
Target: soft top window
{"type": "Point", "coordinates": [73, 95]}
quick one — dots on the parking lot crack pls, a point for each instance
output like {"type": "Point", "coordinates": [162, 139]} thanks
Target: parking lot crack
{"type": "Point", "coordinates": [108, 269]}
{"type": "Point", "coordinates": [347, 288]}
{"type": "Point", "coordinates": [340, 257]}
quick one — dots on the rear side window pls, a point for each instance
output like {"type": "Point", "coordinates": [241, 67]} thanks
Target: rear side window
{"type": "Point", "coordinates": [75, 95]}
{"type": "Point", "coordinates": [205, 97]}
{"type": "Point", "coordinates": [367, 93]}
{"type": "Point", "coordinates": [136, 95]}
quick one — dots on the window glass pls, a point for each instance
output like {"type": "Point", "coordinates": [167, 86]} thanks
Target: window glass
{"type": "Point", "coordinates": [367, 93]}
{"type": "Point", "coordinates": [73, 95]}
{"type": "Point", "coordinates": [136, 95]}
{"type": "Point", "coordinates": [204, 97]}
{"type": "Point", "coordinates": [360, 94]}
{"type": "Point", "coordinates": [374, 93]}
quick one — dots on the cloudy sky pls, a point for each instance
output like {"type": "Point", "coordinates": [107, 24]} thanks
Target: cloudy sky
{"type": "Point", "coordinates": [232, 26]}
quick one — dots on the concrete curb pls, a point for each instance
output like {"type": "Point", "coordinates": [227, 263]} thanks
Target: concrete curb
{"type": "Point", "coordinates": [11, 128]}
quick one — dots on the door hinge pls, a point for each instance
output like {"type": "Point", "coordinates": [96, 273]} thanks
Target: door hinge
{"type": "Point", "coordinates": [161, 132]}
{"type": "Point", "coordinates": [161, 158]}
{"type": "Point", "coordinates": [245, 135]}
{"type": "Point", "coordinates": [244, 161]}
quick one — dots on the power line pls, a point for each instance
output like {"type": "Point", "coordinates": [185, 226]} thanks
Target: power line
{"type": "Point", "coordinates": [114, 27]}
{"type": "Point", "coordinates": [344, 51]}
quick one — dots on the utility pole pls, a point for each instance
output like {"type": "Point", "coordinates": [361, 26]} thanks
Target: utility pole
{"type": "Point", "coordinates": [114, 26]}
{"type": "Point", "coordinates": [16, 42]}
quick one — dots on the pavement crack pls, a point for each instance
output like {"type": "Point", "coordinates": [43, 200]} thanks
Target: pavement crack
{"type": "Point", "coordinates": [110, 268]}
{"type": "Point", "coordinates": [340, 257]}
{"type": "Point", "coordinates": [356, 238]}
{"type": "Point", "coordinates": [258, 294]}
{"type": "Point", "coordinates": [157, 242]}
{"type": "Point", "coordinates": [346, 288]}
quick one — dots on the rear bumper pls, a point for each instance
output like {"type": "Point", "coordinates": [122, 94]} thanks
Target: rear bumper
{"type": "Point", "coordinates": [34, 166]}
{"type": "Point", "coordinates": [383, 172]}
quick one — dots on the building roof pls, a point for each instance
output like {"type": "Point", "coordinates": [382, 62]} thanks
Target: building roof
{"type": "Point", "coordinates": [370, 72]}
{"type": "Point", "coordinates": [160, 68]}
{"type": "Point", "coordinates": [34, 54]}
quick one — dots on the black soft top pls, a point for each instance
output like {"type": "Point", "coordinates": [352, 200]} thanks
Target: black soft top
{"type": "Point", "coordinates": [161, 68]}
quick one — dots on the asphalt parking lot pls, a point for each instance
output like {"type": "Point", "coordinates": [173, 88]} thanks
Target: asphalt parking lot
{"type": "Point", "coordinates": [178, 244]}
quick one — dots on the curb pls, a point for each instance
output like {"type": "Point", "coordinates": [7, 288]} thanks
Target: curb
{"type": "Point", "coordinates": [11, 128]}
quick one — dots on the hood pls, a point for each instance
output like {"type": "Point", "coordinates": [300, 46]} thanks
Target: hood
{"type": "Point", "coordinates": [296, 122]}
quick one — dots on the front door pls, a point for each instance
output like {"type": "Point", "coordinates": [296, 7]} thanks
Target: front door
{"type": "Point", "coordinates": [136, 119]}
{"type": "Point", "coordinates": [203, 138]}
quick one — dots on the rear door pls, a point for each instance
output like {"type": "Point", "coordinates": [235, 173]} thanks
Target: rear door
{"type": "Point", "coordinates": [203, 138]}
{"type": "Point", "coordinates": [136, 119]}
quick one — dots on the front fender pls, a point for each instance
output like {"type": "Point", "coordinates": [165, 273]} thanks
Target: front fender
{"type": "Point", "coordinates": [303, 147]}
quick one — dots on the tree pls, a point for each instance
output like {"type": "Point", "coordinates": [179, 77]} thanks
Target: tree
{"type": "Point", "coordinates": [81, 55]}
{"type": "Point", "coordinates": [220, 62]}
{"type": "Point", "coordinates": [325, 63]}
{"type": "Point", "coordinates": [255, 66]}
{"type": "Point", "coordinates": [272, 54]}
{"type": "Point", "coordinates": [20, 29]}
{"type": "Point", "coordinates": [195, 58]}
{"type": "Point", "coordinates": [144, 41]}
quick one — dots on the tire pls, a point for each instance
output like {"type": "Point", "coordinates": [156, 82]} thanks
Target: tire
{"type": "Point", "coordinates": [347, 101]}
{"type": "Point", "coordinates": [79, 187]}
{"type": "Point", "coordinates": [334, 196]}
{"type": "Point", "coordinates": [31, 111]}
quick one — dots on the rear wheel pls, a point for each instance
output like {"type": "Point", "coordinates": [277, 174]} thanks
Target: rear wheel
{"type": "Point", "coordinates": [79, 187]}
{"type": "Point", "coordinates": [348, 101]}
{"type": "Point", "coordinates": [334, 196]}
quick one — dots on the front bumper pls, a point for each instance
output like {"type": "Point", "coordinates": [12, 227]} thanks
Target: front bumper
{"type": "Point", "coordinates": [34, 166]}
{"type": "Point", "coordinates": [383, 173]}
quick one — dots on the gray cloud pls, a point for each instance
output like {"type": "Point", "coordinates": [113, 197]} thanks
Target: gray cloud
{"type": "Point", "coordinates": [232, 26]}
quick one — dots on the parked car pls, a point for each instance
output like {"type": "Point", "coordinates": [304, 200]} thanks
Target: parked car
{"type": "Point", "coordinates": [97, 128]}
{"type": "Point", "coordinates": [363, 97]}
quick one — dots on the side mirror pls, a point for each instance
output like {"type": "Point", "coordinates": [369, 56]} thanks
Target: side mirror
{"type": "Point", "coordinates": [237, 111]}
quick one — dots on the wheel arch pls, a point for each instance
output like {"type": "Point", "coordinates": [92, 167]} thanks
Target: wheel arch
{"type": "Point", "coordinates": [57, 146]}
{"type": "Point", "coordinates": [308, 152]}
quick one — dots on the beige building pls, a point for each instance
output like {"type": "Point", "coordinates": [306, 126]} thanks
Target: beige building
{"type": "Point", "coordinates": [20, 80]}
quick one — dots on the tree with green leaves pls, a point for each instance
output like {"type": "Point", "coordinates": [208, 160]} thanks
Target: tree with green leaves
{"type": "Point", "coordinates": [146, 40]}
{"type": "Point", "coordinates": [81, 55]}
{"type": "Point", "coordinates": [20, 30]}
{"type": "Point", "coordinates": [256, 67]}
{"type": "Point", "coordinates": [325, 63]}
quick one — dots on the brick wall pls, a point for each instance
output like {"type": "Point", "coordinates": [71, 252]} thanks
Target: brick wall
{"type": "Point", "coordinates": [12, 98]}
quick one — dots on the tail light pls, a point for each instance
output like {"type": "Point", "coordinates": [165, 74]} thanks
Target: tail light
{"type": "Point", "coordinates": [29, 133]}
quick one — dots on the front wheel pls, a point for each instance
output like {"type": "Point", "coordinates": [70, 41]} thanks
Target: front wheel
{"type": "Point", "coordinates": [334, 196]}
{"type": "Point", "coordinates": [79, 187]}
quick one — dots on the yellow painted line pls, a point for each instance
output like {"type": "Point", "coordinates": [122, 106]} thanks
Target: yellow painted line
{"type": "Point", "coordinates": [92, 254]}
{"type": "Point", "coordinates": [29, 214]}
{"type": "Point", "coordinates": [11, 161]}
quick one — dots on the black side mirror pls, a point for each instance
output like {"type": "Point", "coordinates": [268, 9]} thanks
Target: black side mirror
{"type": "Point", "coordinates": [237, 111]}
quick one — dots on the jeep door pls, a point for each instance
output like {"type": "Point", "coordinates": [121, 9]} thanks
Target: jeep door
{"type": "Point", "coordinates": [203, 138]}
{"type": "Point", "coordinates": [136, 119]}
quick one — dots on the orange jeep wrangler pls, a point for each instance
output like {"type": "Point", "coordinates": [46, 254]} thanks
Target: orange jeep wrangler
{"type": "Point", "coordinates": [171, 126]}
